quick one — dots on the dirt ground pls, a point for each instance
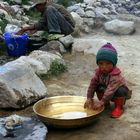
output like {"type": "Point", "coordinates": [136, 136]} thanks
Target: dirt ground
{"type": "Point", "coordinates": [75, 82]}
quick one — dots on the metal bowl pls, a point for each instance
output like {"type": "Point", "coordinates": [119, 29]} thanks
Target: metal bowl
{"type": "Point", "coordinates": [65, 111]}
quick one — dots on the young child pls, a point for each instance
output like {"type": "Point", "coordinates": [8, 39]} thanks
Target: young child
{"type": "Point", "coordinates": [107, 82]}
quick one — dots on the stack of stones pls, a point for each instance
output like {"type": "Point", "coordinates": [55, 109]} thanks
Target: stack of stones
{"type": "Point", "coordinates": [93, 13]}
{"type": "Point", "coordinates": [107, 7]}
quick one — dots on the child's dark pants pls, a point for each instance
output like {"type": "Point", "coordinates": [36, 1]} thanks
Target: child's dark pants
{"type": "Point", "coordinates": [120, 92]}
{"type": "Point", "coordinates": [118, 98]}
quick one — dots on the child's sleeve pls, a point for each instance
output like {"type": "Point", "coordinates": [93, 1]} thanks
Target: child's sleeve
{"type": "Point", "coordinates": [93, 85]}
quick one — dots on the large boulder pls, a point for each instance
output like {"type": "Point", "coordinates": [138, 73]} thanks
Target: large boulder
{"type": "Point", "coordinates": [79, 23]}
{"type": "Point", "coordinates": [19, 85]}
{"type": "Point", "coordinates": [40, 61]}
{"type": "Point", "coordinates": [88, 45]}
{"type": "Point", "coordinates": [119, 27]}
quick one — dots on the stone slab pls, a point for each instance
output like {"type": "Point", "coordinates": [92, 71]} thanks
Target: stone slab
{"type": "Point", "coordinates": [32, 129]}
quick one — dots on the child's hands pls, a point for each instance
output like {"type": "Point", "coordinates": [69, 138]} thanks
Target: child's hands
{"type": "Point", "coordinates": [89, 104]}
{"type": "Point", "coordinates": [98, 105]}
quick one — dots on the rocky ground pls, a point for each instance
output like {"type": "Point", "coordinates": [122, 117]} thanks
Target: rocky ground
{"type": "Point", "coordinates": [75, 82]}
{"type": "Point", "coordinates": [80, 69]}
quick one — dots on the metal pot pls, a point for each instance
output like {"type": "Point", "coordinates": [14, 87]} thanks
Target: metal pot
{"type": "Point", "coordinates": [65, 111]}
{"type": "Point", "coordinates": [34, 43]}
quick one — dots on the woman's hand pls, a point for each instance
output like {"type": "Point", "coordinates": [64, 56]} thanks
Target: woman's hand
{"type": "Point", "coordinates": [20, 32]}
{"type": "Point", "coordinates": [89, 104]}
{"type": "Point", "coordinates": [31, 29]}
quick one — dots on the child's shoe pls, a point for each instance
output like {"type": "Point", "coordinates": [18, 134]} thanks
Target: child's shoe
{"type": "Point", "coordinates": [118, 110]}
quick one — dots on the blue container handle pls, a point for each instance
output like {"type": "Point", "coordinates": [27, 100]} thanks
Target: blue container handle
{"type": "Point", "coordinates": [24, 36]}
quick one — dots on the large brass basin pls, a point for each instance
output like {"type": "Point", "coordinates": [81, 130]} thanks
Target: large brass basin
{"type": "Point", "coordinates": [65, 111]}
